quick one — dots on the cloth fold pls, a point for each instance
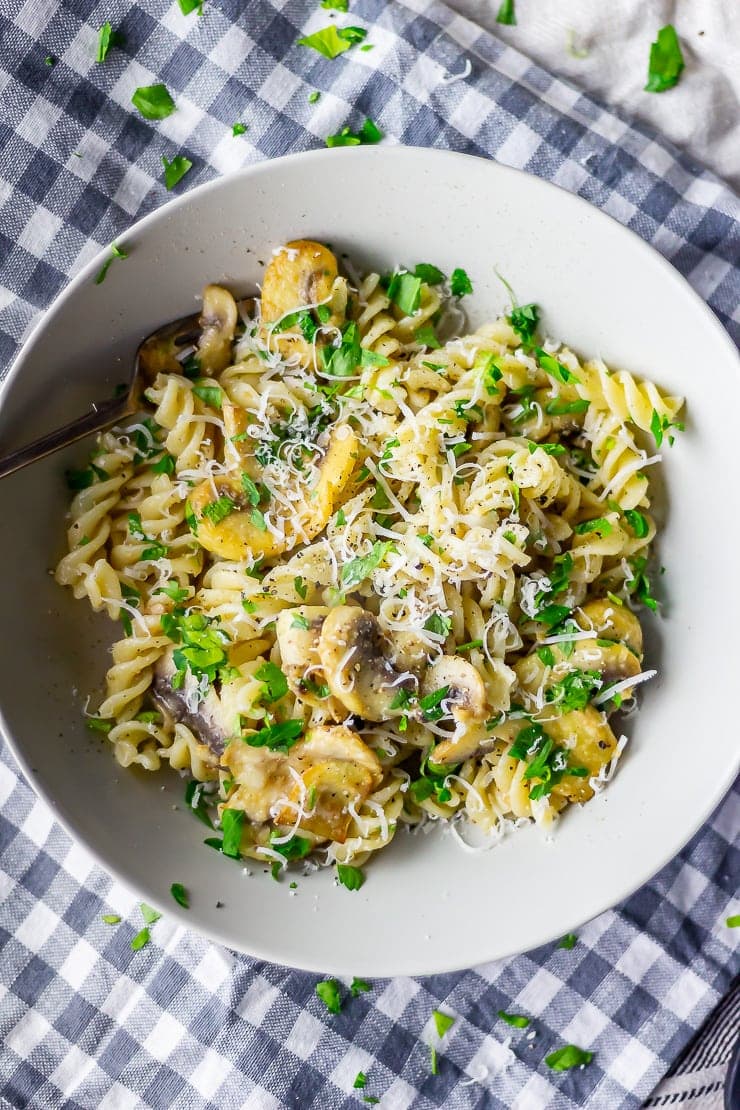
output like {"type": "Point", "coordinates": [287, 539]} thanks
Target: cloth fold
{"type": "Point", "coordinates": [87, 1022]}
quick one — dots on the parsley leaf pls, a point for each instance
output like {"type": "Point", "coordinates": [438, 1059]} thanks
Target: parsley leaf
{"type": "Point", "coordinates": [188, 6]}
{"type": "Point", "coordinates": [460, 283]}
{"type": "Point", "coordinates": [558, 407]}
{"type": "Point", "coordinates": [274, 681]}
{"type": "Point", "coordinates": [179, 893]}
{"type": "Point", "coordinates": [194, 801]}
{"type": "Point", "coordinates": [518, 1021]}
{"type": "Point", "coordinates": [404, 289]}
{"type": "Point", "coordinates": [153, 101]}
{"type": "Point", "coordinates": [359, 986]}
{"type": "Point", "coordinates": [238, 129]}
{"type": "Point", "coordinates": [368, 134]}
{"type": "Point", "coordinates": [524, 319]}
{"type": "Point", "coordinates": [232, 822]}
{"type": "Point", "coordinates": [638, 523]}
{"type": "Point", "coordinates": [218, 510]}
{"type": "Point", "coordinates": [110, 918]}
{"type": "Point", "coordinates": [349, 876]}
{"type": "Point", "coordinates": [335, 5]}
{"type": "Point", "coordinates": [116, 252]}
{"type": "Point", "coordinates": [332, 41]}
{"type": "Point", "coordinates": [666, 61]}
{"type": "Point", "coordinates": [360, 1081]}
{"type": "Point", "coordinates": [442, 1022]}
{"type": "Point", "coordinates": [598, 524]}
{"type": "Point", "coordinates": [570, 1056]}
{"type": "Point", "coordinates": [438, 624]}
{"type": "Point", "coordinates": [105, 41]}
{"type": "Point", "coordinates": [175, 170]}
{"type": "Point", "coordinates": [568, 941]}
{"type": "Point", "coordinates": [429, 274]}
{"type": "Point", "coordinates": [329, 993]}
{"type": "Point", "coordinates": [431, 704]}
{"type": "Point", "coordinates": [733, 922]}
{"type": "Point", "coordinates": [278, 738]}
{"type": "Point", "coordinates": [361, 567]}
{"type": "Point", "coordinates": [208, 394]}
{"type": "Point", "coordinates": [554, 368]}
{"type": "Point", "coordinates": [574, 691]}
{"type": "Point", "coordinates": [141, 939]}
{"type": "Point", "coordinates": [149, 914]}
{"type": "Point", "coordinates": [506, 13]}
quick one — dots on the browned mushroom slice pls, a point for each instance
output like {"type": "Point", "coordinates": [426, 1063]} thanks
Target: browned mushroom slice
{"type": "Point", "coordinates": [218, 322]}
{"type": "Point", "coordinates": [298, 631]}
{"type": "Point", "coordinates": [300, 273]}
{"type": "Point", "coordinates": [466, 698]}
{"type": "Point", "coordinates": [356, 658]}
{"type": "Point", "coordinates": [203, 714]}
{"type": "Point", "coordinates": [611, 621]}
{"type": "Point", "coordinates": [591, 744]}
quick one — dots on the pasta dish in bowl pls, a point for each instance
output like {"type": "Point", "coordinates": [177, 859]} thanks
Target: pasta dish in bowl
{"type": "Point", "coordinates": [373, 569]}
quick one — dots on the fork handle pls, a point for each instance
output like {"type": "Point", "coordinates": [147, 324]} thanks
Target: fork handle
{"type": "Point", "coordinates": [102, 417]}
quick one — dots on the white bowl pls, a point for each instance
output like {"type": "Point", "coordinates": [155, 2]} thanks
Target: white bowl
{"type": "Point", "coordinates": [427, 905]}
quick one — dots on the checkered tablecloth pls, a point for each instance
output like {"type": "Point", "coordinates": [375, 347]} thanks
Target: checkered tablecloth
{"type": "Point", "coordinates": [86, 1022]}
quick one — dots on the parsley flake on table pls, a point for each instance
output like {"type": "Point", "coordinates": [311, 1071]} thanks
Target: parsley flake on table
{"type": "Point", "coordinates": [188, 6]}
{"type": "Point", "coordinates": [517, 1021]}
{"type": "Point", "coordinates": [314, 96]}
{"type": "Point", "coordinates": [149, 914]}
{"type": "Point", "coordinates": [175, 170]}
{"type": "Point", "coordinates": [733, 922]}
{"type": "Point", "coordinates": [349, 876]}
{"type": "Point", "coordinates": [239, 129]}
{"type": "Point", "coordinates": [116, 252]}
{"type": "Point", "coordinates": [180, 894]}
{"type": "Point", "coordinates": [569, 1056]}
{"type": "Point", "coordinates": [335, 5]}
{"type": "Point", "coordinates": [368, 134]}
{"type": "Point", "coordinates": [359, 986]}
{"type": "Point", "coordinates": [506, 13]}
{"type": "Point", "coordinates": [153, 101]}
{"type": "Point", "coordinates": [442, 1022]}
{"type": "Point", "coordinates": [360, 1081]}
{"type": "Point", "coordinates": [329, 993]}
{"type": "Point", "coordinates": [106, 39]}
{"type": "Point", "coordinates": [666, 61]}
{"type": "Point", "coordinates": [110, 919]}
{"type": "Point", "coordinates": [332, 41]}
{"type": "Point", "coordinates": [141, 939]}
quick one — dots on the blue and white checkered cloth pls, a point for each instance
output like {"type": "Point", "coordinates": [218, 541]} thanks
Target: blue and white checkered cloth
{"type": "Point", "coordinates": [85, 1022]}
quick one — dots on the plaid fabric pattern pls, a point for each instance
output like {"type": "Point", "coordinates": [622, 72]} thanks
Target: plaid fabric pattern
{"type": "Point", "coordinates": [85, 1021]}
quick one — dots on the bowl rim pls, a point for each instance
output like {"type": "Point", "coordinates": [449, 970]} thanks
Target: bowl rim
{"type": "Point", "coordinates": [139, 227]}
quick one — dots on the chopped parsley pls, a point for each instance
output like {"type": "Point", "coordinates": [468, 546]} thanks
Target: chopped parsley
{"type": "Point", "coordinates": [359, 986]}
{"type": "Point", "coordinates": [733, 922]}
{"type": "Point", "coordinates": [429, 274]}
{"type": "Point", "coordinates": [360, 1081]}
{"type": "Point", "coordinates": [404, 289]}
{"type": "Point", "coordinates": [442, 1022]}
{"type": "Point", "coordinates": [470, 646]}
{"type": "Point", "coordinates": [155, 550]}
{"type": "Point", "coordinates": [219, 510]}
{"type": "Point", "coordinates": [173, 591]}
{"type": "Point", "coordinates": [208, 394]}
{"type": "Point", "coordinates": [299, 621]}
{"type": "Point", "coordinates": [427, 337]}
{"type": "Point", "coordinates": [278, 738]}
{"type": "Point", "coordinates": [525, 319]}
{"type": "Point", "coordinates": [149, 914]}
{"type": "Point", "coordinates": [342, 361]}
{"type": "Point", "coordinates": [329, 993]}
{"type": "Point", "coordinates": [506, 13]}
{"type": "Point", "coordinates": [175, 170]}
{"type": "Point", "coordinates": [638, 523]}
{"type": "Point", "coordinates": [141, 939]}
{"type": "Point", "coordinates": [232, 822]}
{"type": "Point", "coordinates": [164, 465]}
{"type": "Point", "coordinates": [659, 425]}
{"type": "Point", "coordinates": [188, 6]}
{"type": "Point", "coordinates": [110, 919]}
{"type": "Point", "coordinates": [460, 283]}
{"type": "Point", "coordinates": [116, 252]}
{"type": "Point", "coordinates": [545, 761]}
{"type": "Point", "coordinates": [106, 38]}
{"type": "Point", "coordinates": [361, 567]}
{"type": "Point", "coordinates": [200, 647]}
{"type": "Point", "coordinates": [194, 796]}
{"type": "Point", "coordinates": [438, 624]}
{"type": "Point", "coordinates": [598, 524]}
{"type": "Point", "coordinates": [570, 1056]}
{"type": "Point", "coordinates": [335, 5]}
{"type": "Point", "coordinates": [575, 690]}
{"type": "Point", "coordinates": [297, 847]}
{"type": "Point", "coordinates": [349, 876]}
{"type": "Point", "coordinates": [179, 893]}
{"type": "Point", "coordinates": [552, 615]}
{"type": "Point", "coordinates": [554, 367]}
{"type": "Point", "coordinates": [300, 587]}
{"type": "Point", "coordinates": [239, 129]}
{"type": "Point", "coordinates": [314, 97]}
{"type": "Point", "coordinates": [98, 724]}
{"type": "Point", "coordinates": [153, 101]}
{"type": "Point", "coordinates": [568, 941]}
{"type": "Point", "coordinates": [332, 41]}
{"type": "Point", "coordinates": [368, 134]}
{"type": "Point", "coordinates": [558, 407]}
{"type": "Point", "coordinates": [517, 1021]}
{"type": "Point", "coordinates": [666, 61]}
{"type": "Point", "coordinates": [274, 682]}
{"type": "Point", "coordinates": [431, 704]}
{"type": "Point", "coordinates": [639, 585]}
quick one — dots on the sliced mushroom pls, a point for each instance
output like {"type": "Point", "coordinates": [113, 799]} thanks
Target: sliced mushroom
{"type": "Point", "coordinates": [298, 631]}
{"type": "Point", "coordinates": [240, 535]}
{"type": "Point", "coordinates": [466, 698]}
{"type": "Point", "coordinates": [356, 658]}
{"type": "Point", "coordinates": [300, 273]}
{"type": "Point", "coordinates": [218, 321]}
{"type": "Point", "coordinates": [591, 744]}
{"type": "Point", "coordinates": [319, 778]}
{"type": "Point", "coordinates": [203, 715]}
{"type": "Point", "coordinates": [610, 621]}
{"type": "Point", "coordinates": [337, 770]}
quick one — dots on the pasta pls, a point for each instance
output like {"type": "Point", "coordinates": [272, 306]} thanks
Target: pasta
{"type": "Point", "coordinates": [370, 576]}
